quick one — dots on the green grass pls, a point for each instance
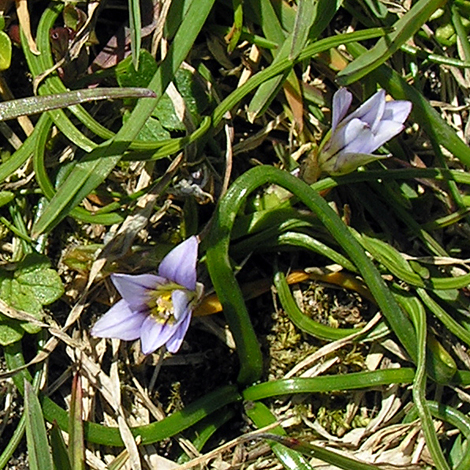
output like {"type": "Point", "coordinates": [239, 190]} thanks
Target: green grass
{"type": "Point", "coordinates": [340, 308]}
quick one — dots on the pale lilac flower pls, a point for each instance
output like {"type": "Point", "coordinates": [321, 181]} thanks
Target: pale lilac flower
{"type": "Point", "coordinates": [354, 138]}
{"type": "Point", "coordinates": [156, 309]}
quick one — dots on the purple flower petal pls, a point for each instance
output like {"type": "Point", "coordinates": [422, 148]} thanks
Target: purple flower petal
{"type": "Point", "coordinates": [132, 318]}
{"type": "Point", "coordinates": [179, 265]}
{"type": "Point", "coordinates": [366, 141]}
{"type": "Point", "coordinates": [371, 111]}
{"type": "Point", "coordinates": [375, 116]}
{"type": "Point", "coordinates": [181, 300]}
{"type": "Point", "coordinates": [397, 111]}
{"type": "Point", "coordinates": [344, 136]}
{"type": "Point", "coordinates": [341, 101]}
{"type": "Point", "coordinates": [384, 132]}
{"type": "Point", "coordinates": [175, 342]}
{"type": "Point", "coordinates": [119, 322]}
{"type": "Point", "coordinates": [134, 288]}
{"type": "Point", "coordinates": [155, 334]}
{"type": "Point", "coordinates": [353, 139]}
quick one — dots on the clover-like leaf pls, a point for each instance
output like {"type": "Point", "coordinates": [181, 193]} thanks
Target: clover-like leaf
{"type": "Point", "coordinates": [191, 91]}
{"type": "Point", "coordinates": [30, 285]}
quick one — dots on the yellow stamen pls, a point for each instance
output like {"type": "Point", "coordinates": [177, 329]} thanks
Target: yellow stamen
{"type": "Point", "coordinates": [161, 306]}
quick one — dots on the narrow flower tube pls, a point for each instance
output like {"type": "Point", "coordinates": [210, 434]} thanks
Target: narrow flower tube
{"type": "Point", "coordinates": [155, 308]}
{"type": "Point", "coordinates": [352, 139]}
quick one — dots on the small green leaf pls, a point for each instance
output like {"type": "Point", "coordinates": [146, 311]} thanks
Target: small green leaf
{"type": "Point", "coordinates": [237, 25]}
{"type": "Point", "coordinates": [5, 51]}
{"type": "Point", "coordinates": [34, 273]}
{"type": "Point", "coordinates": [127, 74]}
{"type": "Point", "coordinates": [165, 113]}
{"type": "Point", "coordinates": [74, 18]}
{"type": "Point", "coordinates": [192, 93]}
{"type": "Point", "coordinates": [6, 197]}
{"type": "Point", "coordinates": [10, 331]}
{"type": "Point", "coordinates": [28, 287]}
{"type": "Point", "coordinates": [152, 130]}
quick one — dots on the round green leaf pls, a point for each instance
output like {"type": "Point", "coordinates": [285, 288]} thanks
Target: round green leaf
{"type": "Point", "coordinates": [5, 51]}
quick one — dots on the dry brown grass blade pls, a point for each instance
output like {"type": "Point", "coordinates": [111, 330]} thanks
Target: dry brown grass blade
{"type": "Point", "coordinates": [23, 17]}
{"type": "Point", "coordinates": [124, 429]}
{"type": "Point", "coordinates": [204, 459]}
{"type": "Point", "coordinates": [294, 98]}
{"type": "Point", "coordinates": [134, 223]}
{"type": "Point", "coordinates": [331, 347]}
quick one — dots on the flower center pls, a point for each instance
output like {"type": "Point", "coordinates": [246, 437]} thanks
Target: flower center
{"type": "Point", "coordinates": [161, 306]}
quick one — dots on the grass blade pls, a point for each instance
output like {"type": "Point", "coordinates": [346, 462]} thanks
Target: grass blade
{"type": "Point", "coordinates": [280, 68]}
{"type": "Point", "coordinates": [236, 30]}
{"type": "Point", "coordinates": [135, 27]}
{"type": "Point", "coordinates": [76, 443]}
{"type": "Point", "coordinates": [36, 436]}
{"type": "Point", "coordinates": [419, 386]}
{"type": "Point", "coordinates": [38, 104]}
{"type": "Point", "coordinates": [97, 165]}
{"type": "Point", "coordinates": [405, 28]}
{"type": "Point", "coordinates": [318, 452]}
{"type": "Point", "coordinates": [290, 458]}
{"type": "Point", "coordinates": [59, 449]}
{"type": "Point", "coordinates": [324, 12]}
{"type": "Point", "coordinates": [303, 22]}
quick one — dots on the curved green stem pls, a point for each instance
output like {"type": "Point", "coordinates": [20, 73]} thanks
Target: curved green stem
{"type": "Point", "coordinates": [452, 416]}
{"type": "Point", "coordinates": [419, 388]}
{"type": "Point", "coordinates": [229, 292]}
{"type": "Point", "coordinates": [154, 432]}
{"type": "Point", "coordinates": [302, 321]}
{"type": "Point", "coordinates": [329, 383]}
